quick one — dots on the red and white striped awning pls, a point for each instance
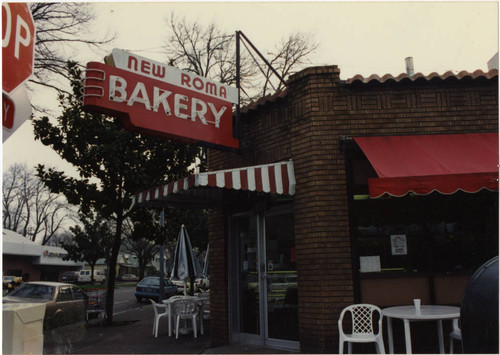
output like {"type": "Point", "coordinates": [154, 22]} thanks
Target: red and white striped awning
{"type": "Point", "coordinates": [276, 178]}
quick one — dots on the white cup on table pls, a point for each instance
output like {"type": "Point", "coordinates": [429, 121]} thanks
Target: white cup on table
{"type": "Point", "coordinates": [416, 301]}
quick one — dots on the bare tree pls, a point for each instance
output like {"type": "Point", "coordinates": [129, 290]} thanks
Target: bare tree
{"type": "Point", "coordinates": [208, 52]}
{"type": "Point", "coordinates": [60, 26]}
{"type": "Point", "coordinates": [28, 206]}
{"type": "Point", "coordinates": [139, 240]}
{"type": "Point", "coordinates": [291, 54]}
{"type": "Point", "coordinates": [13, 199]}
{"type": "Point", "coordinates": [50, 213]}
{"type": "Point", "coordinates": [144, 250]}
{"type": "Point", "coordinates": [60, 238]}
{"type": "Point", "coordinates": [211, 53]}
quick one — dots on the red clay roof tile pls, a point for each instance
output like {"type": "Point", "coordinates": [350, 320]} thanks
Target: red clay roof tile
{"type": "Point", "coordinates": [419, 76]}
{"type": "Point", "coordinates": [263, 100]}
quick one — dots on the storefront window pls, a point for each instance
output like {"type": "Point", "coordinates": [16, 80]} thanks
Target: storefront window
{"type": "Point", "coordinates": [433, 233]}
{"type": "Point", "coordinates": [416, 246]}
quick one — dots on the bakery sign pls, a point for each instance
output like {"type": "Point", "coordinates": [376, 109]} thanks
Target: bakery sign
{"type": "Point", "coordinates": [161, 100]}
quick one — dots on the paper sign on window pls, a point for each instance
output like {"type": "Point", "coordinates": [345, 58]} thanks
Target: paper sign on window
{"type": "Point", "coordinates": [369, 263]}
{"type": "Point", "coordinates": [398, 244]}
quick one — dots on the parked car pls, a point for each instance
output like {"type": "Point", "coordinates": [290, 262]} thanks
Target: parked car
{"type": "Point", "coordinates": [180, 285]}
{"type": "Point", "coordinates": [6, 280]}
{"type": "Point", "coordinates": [84, 277]}
{"type": "Point", "coordinates": [70, 276]}
{"type": "Point", "coordinates": [149, 288]}
{"type": "Point", "coordinates": [127, 277]}
{"type": "Point", "coordinates": [65, 303]}
{"type": "Point", "coordinates": [11, 284]}
{"type": "Point", "coordinates": [200, 283]}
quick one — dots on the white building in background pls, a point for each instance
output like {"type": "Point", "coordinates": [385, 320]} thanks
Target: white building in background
{"type": "Point", "coordinates": [41, 262]}
{"type": "Point", "coordinates": [45, 263]}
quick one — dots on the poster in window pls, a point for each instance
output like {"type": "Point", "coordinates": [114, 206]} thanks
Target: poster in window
{"type": "Point", "coordinates": [369, 263]}
{"type": "Point", "coordinates": [398, 244]}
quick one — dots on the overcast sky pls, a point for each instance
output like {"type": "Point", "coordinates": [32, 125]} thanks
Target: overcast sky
{"type": "Point", "coordinates": [360, 37]}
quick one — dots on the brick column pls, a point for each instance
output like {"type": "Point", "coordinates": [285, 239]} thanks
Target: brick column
{"type": "Point", "coordinates": [320, 205]}
{"type": "Point", "coordinates": [219, 303]}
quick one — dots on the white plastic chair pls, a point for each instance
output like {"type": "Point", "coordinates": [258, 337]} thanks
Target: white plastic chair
{"type": "Point", "coordinates": [158, 308]}
{"type": "Point", "coordinates": [456, 334]}
{"type": "Point", "coordinates": [186, 309]}
{"type": "Point", "coordinates": [362, 327]}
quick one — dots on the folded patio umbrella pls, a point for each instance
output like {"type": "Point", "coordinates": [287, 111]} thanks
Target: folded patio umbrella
{"type": "Point", "coordinates": [185, 264]}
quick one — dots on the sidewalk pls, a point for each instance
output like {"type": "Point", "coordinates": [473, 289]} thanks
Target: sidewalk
{"type": "Point", "coordinates": [132, 334]}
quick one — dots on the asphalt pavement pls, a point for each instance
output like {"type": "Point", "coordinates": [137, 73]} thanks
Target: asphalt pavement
{"type": "Point", "coordinates": [131, 333]}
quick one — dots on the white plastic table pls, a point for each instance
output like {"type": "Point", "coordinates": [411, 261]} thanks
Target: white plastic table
{"type": "Point", "coordinates": [410, 314]}
{"type": "Point", "coordinates": [169, 301]}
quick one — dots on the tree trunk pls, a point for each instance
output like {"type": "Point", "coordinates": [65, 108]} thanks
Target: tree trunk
{"type": "Point", "coordinates": [92, 280]}
{"type": "Point", "coordinates": [142, 269]}
{"type": "Point", "coordinates": [110, 294]}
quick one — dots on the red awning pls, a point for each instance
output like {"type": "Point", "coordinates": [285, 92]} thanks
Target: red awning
{"type": "Point", "coordinates": [426, 163]}
{"type": "Point", "coordinates": [277, 178]}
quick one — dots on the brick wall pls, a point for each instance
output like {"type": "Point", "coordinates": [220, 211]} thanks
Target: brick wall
{"type": "Point", "coordinates": [306, 127]}
{"type": "Point", "coordinates": [219, 319]}
{"type": "Point", "coordinates": [23, 263]}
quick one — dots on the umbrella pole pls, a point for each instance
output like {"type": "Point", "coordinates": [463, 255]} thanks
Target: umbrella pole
{"type": "Point", "coordinates": [162, 261]}
{"type": "Point", "coordinates": [191, 288]}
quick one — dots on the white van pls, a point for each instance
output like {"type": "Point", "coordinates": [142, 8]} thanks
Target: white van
{"type": "Point", "coordinates": [84, 277]}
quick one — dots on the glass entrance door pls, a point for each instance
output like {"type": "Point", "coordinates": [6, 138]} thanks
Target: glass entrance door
{"type": "Point", "coordinates": [264, 280]}
{"type": "Point", "coordinates": [245, 231]}
{"type": "Point", "coordinates": [281, 278]}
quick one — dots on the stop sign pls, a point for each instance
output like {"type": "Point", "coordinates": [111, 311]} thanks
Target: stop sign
{"type": "Point", "coordinates": [18, 45]}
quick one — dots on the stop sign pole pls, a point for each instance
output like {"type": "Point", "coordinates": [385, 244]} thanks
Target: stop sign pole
{"type": "Point", "coordinates": [18, 54]}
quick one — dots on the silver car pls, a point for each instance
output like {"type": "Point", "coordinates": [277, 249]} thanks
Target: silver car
{"type": "Point", "coordinates": [65, 303]}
